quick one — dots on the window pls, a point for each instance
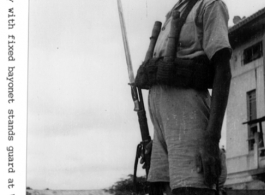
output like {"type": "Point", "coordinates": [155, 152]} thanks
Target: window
{"type": "Point", "coordinates": [252, 53]}
{"type": "Point", "coordinates": [252, 114]}
{"type": "Point", "coordinates": [251, 107]}
{"type": "Point", "coordinates": [252, 129]}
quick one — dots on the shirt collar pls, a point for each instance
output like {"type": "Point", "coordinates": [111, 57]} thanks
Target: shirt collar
{"type": "Point", "coordinates": [179, 3]}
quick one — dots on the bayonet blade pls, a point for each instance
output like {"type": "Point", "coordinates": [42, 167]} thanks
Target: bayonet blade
{"type": "Point", "coordinates": [125, 43]}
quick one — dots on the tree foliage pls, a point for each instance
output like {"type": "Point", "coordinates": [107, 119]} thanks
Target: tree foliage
{"type": "Point", "coordinates": [126, 186]}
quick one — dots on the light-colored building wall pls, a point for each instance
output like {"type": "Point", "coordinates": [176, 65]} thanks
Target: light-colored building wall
{"type": "Point", "coordinates": [245, 77]}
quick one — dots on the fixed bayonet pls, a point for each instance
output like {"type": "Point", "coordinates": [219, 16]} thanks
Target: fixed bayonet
{"type": "Point", "coordinates": [136, 92]}
{"type": "Point", "coordinates": [128, 57]}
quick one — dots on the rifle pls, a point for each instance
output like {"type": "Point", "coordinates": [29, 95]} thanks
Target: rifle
{"type": "Point", "coordinates": [140, 151]}
{"type": "Point", "coordinates": [135, 91]}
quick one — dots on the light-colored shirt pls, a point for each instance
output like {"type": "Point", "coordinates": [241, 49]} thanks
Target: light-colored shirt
{"type": "Point", "coordinates": [204, 32]}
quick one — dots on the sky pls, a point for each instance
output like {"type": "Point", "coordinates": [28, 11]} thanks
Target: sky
{"type": "Point", "coordinates": [82, 130]}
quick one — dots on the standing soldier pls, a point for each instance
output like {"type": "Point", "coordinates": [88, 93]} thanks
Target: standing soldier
{"type": "Point", "coordinates": [187, 121]}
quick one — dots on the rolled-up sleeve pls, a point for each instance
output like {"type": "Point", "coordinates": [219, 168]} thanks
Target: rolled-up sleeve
{"type": "Point", "coordinates": [215, 28]}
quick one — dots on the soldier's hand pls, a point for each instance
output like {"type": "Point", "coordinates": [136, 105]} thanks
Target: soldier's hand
{"type": "Point", "coordinates": [208, 161]}
{"type": "Point", "coordinates": [145, 158]}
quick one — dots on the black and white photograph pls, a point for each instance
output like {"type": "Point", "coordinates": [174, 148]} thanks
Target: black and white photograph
{"type": "Point", "coordinates": [115, 97]}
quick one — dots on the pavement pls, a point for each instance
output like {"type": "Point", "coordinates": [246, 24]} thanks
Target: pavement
{"type": "Point", "coordinates": [67, 192]}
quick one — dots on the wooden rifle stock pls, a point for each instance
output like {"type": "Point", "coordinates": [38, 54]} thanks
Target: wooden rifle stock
{"type": "Point", "coordinates": [141, 112]}
{"type": "Point", "coordinates": [149, 55]}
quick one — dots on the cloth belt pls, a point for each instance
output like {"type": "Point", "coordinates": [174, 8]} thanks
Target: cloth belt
{"type": "Point", "coordinates": [197, 73]}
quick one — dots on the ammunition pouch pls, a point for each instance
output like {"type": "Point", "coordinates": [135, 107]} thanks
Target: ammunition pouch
{"type": "Point", "coordinates": [165, 73]}
{"type": "Point", "coordinates": [146, 74]}
{"type": "Point", "coordinates": [197, 73]}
